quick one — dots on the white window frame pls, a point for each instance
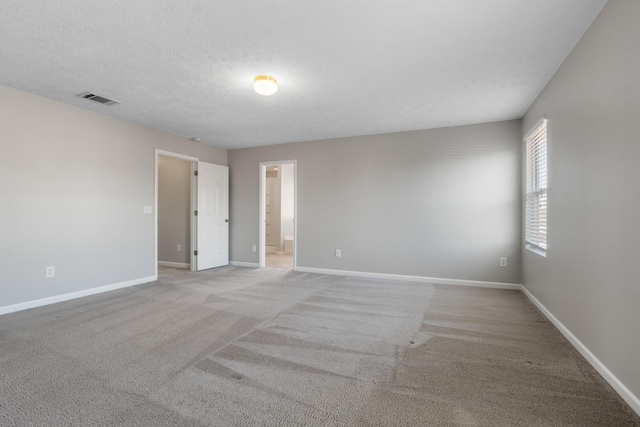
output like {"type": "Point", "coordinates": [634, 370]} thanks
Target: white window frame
{"type": "Point", "coordinates": [536, 188]}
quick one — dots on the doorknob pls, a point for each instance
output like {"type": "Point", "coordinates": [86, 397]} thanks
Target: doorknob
{"type": "Point", "coordinates": [226, 220]}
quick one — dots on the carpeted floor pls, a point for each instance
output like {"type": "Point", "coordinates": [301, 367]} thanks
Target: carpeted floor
{"type": "Point", "coordinates": [249, 347]}
{"type": "Point", "coordinates": [283, 262]}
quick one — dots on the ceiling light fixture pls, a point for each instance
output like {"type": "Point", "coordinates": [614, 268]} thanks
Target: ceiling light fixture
{"type": "Point", "coordinates": [265, 85]}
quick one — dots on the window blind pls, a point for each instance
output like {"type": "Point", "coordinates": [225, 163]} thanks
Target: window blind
{"type": "Point", "coordinates": [536, 186]}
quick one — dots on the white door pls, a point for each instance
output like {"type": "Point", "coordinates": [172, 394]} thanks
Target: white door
{"type": "Point", "coordinates": [212, 239]}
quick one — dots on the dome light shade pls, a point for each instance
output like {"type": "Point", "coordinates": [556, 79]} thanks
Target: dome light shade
{"type": "Point", "coordinates": [265, 85]}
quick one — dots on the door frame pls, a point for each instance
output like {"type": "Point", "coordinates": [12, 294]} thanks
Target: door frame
{"type": "Point", "coordinates": [262, 210]}
{"type": "Point", "coordinates": [193, 198]}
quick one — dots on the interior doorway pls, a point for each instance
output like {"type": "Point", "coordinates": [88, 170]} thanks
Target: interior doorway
{"type": "Point", "coordinates": [191, 213]}
{"type": "Point", "coordinates": [278, 215]}
{"type": "Point", "coordinates": [174, 203]}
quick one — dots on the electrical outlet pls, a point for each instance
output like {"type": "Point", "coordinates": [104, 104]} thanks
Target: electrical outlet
{"type": "Point", "coordinates": [338, 253]}
{"type": "Point", "coordinates": [148, 210]}
{"type": "Point", "coordinates": [254, 248]}
{"type": "Point", "coordinates": [50, 272]}
{"type": "Point", "coordinates": [179, 248]}
{"type": "Point", "coordinates": [503, 261]}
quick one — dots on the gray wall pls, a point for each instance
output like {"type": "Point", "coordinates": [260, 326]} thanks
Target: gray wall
{"type": "Point", "coordinates": [438, 203]}
{"type": "Point", "coordinates": [73, 185]}
{"type": "Point", "coordinates": [590, 277]}
{"type": "Point", "coordinates": [174, 209]}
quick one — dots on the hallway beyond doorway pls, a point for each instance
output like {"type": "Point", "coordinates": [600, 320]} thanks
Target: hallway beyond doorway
{"type": "Point", "coordinates": [283, 262]}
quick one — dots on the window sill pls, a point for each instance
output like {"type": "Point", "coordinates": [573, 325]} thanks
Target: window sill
{"type": "Point", "coordinates": [536, 250]}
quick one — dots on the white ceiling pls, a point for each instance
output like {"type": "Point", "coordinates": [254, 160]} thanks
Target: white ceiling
{"type": "Point", "coordinates": [345, 67]}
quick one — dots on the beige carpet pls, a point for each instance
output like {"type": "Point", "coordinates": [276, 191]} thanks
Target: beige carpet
{"type": "Point", "coordinates": [249, 347]}
{"type": "Point", "coordinates": [283, 262]}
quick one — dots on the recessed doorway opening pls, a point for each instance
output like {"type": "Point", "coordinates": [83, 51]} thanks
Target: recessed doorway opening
{"type": "Point", "coordinates": [277, 226]}
{"type": "Point", "coordinates": [191, 212]}
{"type": "Point", "coordinates": [174, 223]}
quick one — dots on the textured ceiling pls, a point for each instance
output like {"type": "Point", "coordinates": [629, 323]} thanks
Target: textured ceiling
{"type": "Point", "coordinates": [345, 67]}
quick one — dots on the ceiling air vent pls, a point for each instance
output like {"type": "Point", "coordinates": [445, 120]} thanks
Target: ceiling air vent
{"type": "Point", "coordinates": [98, 98]}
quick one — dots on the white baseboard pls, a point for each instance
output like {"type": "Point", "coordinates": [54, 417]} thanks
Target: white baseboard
{"type": "Point", "coordinates": [244, 264]}
{"type": "Point", "coordinates": [174, 264]}
{"type": "Point", "coordinates": [422, 279]}
{"type": "Point", "coordinates": [73, 295]}
{"type": "Point", "coordinates": [632, 400]}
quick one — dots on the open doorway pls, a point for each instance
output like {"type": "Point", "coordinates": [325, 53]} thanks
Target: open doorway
{"type": "Point", "coordinates": [174, 205]}
{"type": "Point", "coordinates": [277, 214]}
{"type": "Point", "coordinates": [192, 212]}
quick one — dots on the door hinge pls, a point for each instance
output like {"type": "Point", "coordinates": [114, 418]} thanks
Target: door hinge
{"type": "Point", "coordinates": [195, 173]}
{"type": "Point", "coordinates": [195, 253]}
{"type": "Point", "coordinates": [195, 213]}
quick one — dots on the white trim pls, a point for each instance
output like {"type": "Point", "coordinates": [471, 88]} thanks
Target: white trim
{"type": "Point", "coordinates": [175, 155]}
{"type": "Point", "coordinates": [422, 279]}
{"type": "Point", "coordinates": [174, 264]}
{"type": "Point", "coordinates": [295, 214]}
{"type": "Point", "coordinates": [627, 395]}
{"type": "Point", "coordinates": [535, 249]}
{"type": "Point", "coordinates": [261, 216]}
{"type": "Point", "coordinates": [155, 211]}
{"type": "Point", "coordinates": [244, 264]}
{"type": "Point", "coordinates": [540, 121]}
{"type": "Point", "coordinates": [632, 400]}
{"type": "Point", "coordinates": [73, 295]}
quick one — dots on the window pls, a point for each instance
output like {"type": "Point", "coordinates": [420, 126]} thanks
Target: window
{"type": "Point", "coordinates": [536, 187]}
